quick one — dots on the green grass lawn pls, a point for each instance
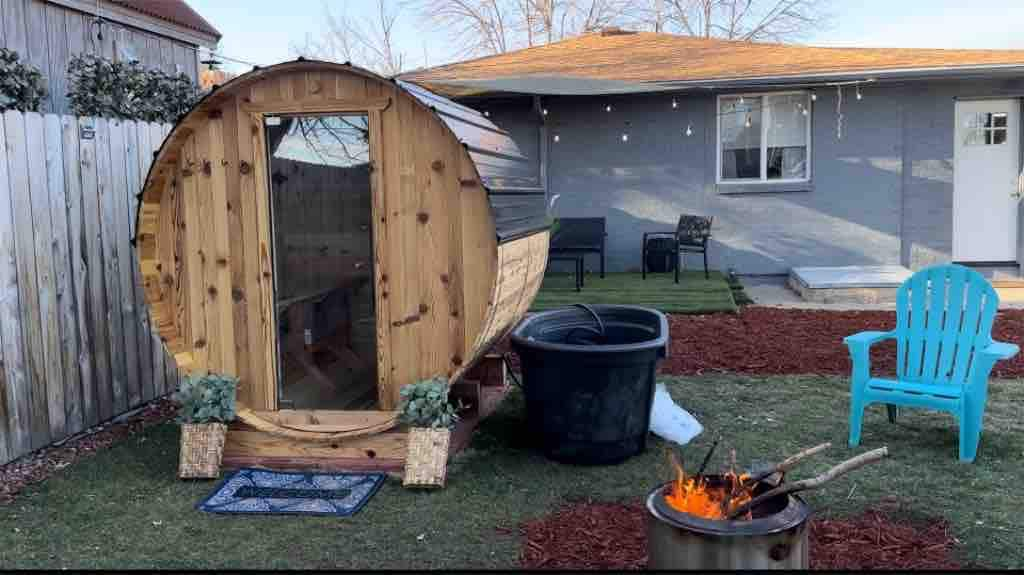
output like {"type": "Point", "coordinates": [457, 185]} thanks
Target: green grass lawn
{"type": "Point", "coordinates": [693, 293]}
{"type": "Point", "coordinates": [124, 508]}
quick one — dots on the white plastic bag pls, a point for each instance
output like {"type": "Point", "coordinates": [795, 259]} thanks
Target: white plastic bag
{"type": "Point", "coordinates": [671, 422]}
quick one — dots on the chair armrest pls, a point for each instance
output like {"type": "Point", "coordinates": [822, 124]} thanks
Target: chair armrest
{"type": "Point", "coordinates": [867, 338]}
{"type": "Point", "coordinates": [860, 346]}
{"type": "Point", "coordinates": [998, 350]}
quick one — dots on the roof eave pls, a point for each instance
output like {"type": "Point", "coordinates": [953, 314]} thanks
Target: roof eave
{"type": "Point", "coordinates": [742, 82]}
{"type": "Point", "coordinates": [159, 26]}
{"type": "Point", "coordinates": [890, 74]}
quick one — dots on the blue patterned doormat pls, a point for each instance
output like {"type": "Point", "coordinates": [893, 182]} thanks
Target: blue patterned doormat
{"type": "Point", "coordinates": [260, 491]}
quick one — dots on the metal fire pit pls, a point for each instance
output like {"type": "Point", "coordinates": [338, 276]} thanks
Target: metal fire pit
{"type": "Point", "coordinates": [776, 537]}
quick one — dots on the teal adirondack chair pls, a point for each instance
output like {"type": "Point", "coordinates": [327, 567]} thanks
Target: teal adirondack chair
{"type": "Point", "coordinates": [944, 352]}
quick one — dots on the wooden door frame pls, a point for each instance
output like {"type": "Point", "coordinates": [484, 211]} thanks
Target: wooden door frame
{"type": "Point", "coordinates": [373, 109]}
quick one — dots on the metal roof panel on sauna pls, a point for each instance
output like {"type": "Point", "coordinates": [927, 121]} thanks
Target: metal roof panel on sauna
{"type": "Point", "coordinates": [458, 246]}
{"type": "Point", "coordinates": [513, 186]}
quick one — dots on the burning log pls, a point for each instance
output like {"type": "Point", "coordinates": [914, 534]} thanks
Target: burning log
{"type": "Point", "coordinates": [789, 462]}
{"type": "Point", "coordinates": [814, 482]}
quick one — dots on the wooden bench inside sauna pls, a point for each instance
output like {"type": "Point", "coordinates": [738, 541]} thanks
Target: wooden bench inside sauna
{"type": "Point", "coordinates": [330, 236]}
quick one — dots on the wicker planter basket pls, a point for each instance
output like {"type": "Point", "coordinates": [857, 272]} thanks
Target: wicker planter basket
{"type": "Point", "coordinates": [202, 446]}
{"type": "Point", "coordinates": [426, 462]}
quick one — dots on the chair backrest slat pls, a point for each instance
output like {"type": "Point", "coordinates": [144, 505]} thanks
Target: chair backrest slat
{"type": "Point", "coordinates": [902, 327]}
{"type": "Point", "coordinates": [934, 323]}
{"type": "Point", "coordinates": [693, 229]}
{"type": "Point", "coordinates": [954, 315]}
{"type": "Point", "coordinates": [915, 337]}
{"type": "Point", "coordinates": [944, 314]}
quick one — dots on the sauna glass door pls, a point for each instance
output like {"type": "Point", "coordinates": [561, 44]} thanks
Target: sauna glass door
{"type": "Point", "coordinates": [323, 261]}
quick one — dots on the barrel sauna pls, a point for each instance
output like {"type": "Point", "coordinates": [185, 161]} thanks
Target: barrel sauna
{"type": "Point", "coordinates": [329, 236]}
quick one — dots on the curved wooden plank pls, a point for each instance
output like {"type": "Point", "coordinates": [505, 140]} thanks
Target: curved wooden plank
{"type": "Point", "coordinates": [332, 429]}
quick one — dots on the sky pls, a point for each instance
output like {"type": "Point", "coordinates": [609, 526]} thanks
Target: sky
{"type": "Point", "coordinates": [263, 31]}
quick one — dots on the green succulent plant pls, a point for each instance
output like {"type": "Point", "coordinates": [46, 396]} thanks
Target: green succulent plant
{"type": "Point", "coordinates": [425, 404]}
{"type": "Point", "coordinates": [206, 398]}
{"type": "Point", "coordinates": [22, 86]}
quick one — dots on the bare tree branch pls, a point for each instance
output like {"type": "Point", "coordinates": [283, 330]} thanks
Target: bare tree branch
{"type": "Point", "coordinates": [748, 20]}
{"type": "Point", "coordinates": [367, 42]}
{"type": "Point", "coordinates": [484, 27]}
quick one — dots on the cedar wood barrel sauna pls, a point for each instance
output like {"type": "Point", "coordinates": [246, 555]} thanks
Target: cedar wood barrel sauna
{"type": "Point", "coordinates": [329, 236]}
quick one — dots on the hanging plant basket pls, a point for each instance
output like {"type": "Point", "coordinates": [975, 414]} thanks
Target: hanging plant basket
{"type": "Point", "coordinates": [426, 462]}
{"type": "Point", "coordinates": [202, 448]}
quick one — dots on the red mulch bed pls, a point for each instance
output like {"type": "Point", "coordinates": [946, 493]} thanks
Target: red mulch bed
{"type": "Point", "coordinates": [587, 536]}
{"type": "Point", "coordinates": [613, 536]}
{"type": "Point", "coordinates": [773, 341]}
{"type": "Point", "coordinates": [41, 464]}
{"type": "Point", "coordinates": [875, 540]}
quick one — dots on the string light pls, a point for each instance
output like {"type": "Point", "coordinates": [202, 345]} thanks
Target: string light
{"type": "Point", "coordinates": [487, 114]}
{"type": "Point", "coordinates": [608, 108]}
{"type": "Point", "coordinates": [741, 100]}
{"type": "Point", "coordinates": [859, 96]}
{"type": "Point", "coordinates": [557, 138]}
{"type": "Point", "coordinates": [675, 104]}
{"type": "Point", "coordinates": [544, 111]}
{"type": "Point", "coordinates": [748, 123]}
{"type": "Point", "coordinates": [625, 133]}
{"type": "Point", "coordinates": [689, 129]}
{"type": "Point", "coordinates": [814, 96]}
{"type": "Point", "coordinates": [839, 112]}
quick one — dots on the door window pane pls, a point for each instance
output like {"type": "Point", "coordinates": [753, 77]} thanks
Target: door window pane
{"type": "Point", "coordinates": [740, 121]}
{"type": "Point", "coordinates": [323, 261]}
{"type": "Point", "coordinates": [984, 128]}
{"type": "Point", "coordinates": [786, 118]}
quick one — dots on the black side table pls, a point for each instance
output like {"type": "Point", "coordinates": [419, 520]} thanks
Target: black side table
{"type": "Point", "coordinates": [577, 268]}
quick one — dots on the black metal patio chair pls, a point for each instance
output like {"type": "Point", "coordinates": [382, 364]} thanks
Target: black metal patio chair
{"type": "Point", "coordinates": [691, 236]}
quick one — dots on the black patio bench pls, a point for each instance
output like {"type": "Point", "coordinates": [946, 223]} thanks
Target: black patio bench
{"type": "Point", "coordinates": [579, 236]}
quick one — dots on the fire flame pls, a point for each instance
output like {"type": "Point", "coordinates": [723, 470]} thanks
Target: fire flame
{"type": "Point", "coordinates": [694, 495]}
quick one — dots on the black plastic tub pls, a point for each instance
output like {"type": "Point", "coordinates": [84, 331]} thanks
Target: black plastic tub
{"type": "Point", "coordinates": [588, 378]}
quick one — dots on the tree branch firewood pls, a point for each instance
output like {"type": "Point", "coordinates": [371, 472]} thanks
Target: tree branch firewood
{"type": "Point", "coordinates": [789, 462]}
{"type": "Point", "coordinates": [814, 482]}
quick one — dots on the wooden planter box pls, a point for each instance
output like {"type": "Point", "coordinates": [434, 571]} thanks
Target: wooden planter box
{"type": "Point", "coordinates": [202, 446]}
{"type": "Point", "coordinates": [426, 463]}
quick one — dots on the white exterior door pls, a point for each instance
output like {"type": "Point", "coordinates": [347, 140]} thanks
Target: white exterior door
{"type": "Point", "coordinates": [986, 165]}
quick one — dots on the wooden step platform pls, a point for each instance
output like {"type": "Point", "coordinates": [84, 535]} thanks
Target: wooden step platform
{"type": "Point", "coordinates": [247, 447]}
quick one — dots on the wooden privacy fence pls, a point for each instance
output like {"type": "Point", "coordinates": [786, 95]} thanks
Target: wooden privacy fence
{"type": "Point", "coordinates": [75, 338]}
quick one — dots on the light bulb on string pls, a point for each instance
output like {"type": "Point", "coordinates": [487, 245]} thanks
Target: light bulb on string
{"type": "Point", "coordinates": [557, 138]}
{"type": "Point", "coordinates": [487, 114]}
{"type": "Point", "coordinates": [689, 130]}
{"type": "Point", "coordinates": [544, 111]}
{"type": "Point", "coordinates": [675, 104]}
{"type": "Point", "coordinates": [748, 123]}
{"type": "Point", "coordinates": [625, 137]}
{"type": "Point", "coordinates": [608, 108]}
{"type": "Point", "coordinates": [814, 96]}
{"type": "Point", "coordinates": [859, 96]}
{"type": "Point", "coordinates": [741, 100]}
{"type": "Point", "coordinates": [803, 111]}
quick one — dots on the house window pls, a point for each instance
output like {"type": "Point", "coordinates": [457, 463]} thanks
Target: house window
{"type": "Point", "coordinates": [984, 128]}
{"type": "Point", "coordinates": [764, 138]}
